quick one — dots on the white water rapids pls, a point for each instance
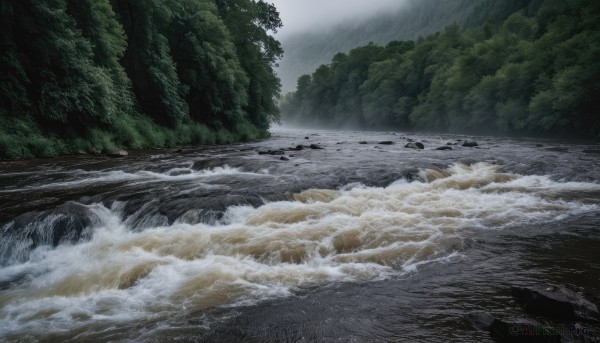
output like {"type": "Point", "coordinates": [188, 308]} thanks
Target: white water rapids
{"type": "Point", "coordinates": [356, 233]}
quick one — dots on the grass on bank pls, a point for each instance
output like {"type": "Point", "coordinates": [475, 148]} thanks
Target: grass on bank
{"type": "Point", "coordinates": [23, 138]}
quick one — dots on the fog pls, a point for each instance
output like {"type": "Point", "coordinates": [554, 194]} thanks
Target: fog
{"type": "Point", "coordinates": [309, 15]}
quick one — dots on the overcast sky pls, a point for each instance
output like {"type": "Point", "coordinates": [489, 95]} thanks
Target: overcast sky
{"type": "Point", "coordinates": [307, 15]}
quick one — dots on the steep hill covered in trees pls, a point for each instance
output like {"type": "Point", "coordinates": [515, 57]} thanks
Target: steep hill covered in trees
{"type": "Point", "coordinates": [305, 51]}
{"type": "Point", "coordinates": [535, 72]}
{"type": "Point", "coordinates": [91, 75]}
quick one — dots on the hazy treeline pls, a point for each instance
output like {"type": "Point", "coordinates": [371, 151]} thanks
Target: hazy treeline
{"type": "Point", "coordinates": [538, 71]}
{"type": "Point", "coordinates": [92, 75]}
{"type": "Point", "coordinates": [304, 52]}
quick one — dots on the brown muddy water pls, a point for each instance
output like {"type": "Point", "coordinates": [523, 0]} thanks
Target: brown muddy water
{"type": "Point", "coordinates": [353, 242]}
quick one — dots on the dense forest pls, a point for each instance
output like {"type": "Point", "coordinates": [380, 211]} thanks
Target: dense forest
{"type": "Point", "coordinates": [99, 75]}
{"type": "Point", "coordinates": [536, 72]}
{"type": "Point", "coordinates": [306, 51]}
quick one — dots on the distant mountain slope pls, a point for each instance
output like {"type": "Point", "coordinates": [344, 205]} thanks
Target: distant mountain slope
{"type": "Point", "coordinates": [535, 73]}
{"type": "Point", "coordinates": [305, 52]}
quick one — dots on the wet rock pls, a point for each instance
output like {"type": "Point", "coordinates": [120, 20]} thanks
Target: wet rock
{"type": "Point", "coordinates": [415, 145]}
{"type": "Point", "coordinates": [272, 152]}
{"type": "Point", "coordinates": [67, 223]}
{"type": "Point", "coordinates": [283, 158]}
{"type": "Point", "coordinates": [386, 143]}
{"type": "Point", "coordinates": [306, 137]}
{"type": "Point", "coordinates": [117, 154]}
{"type": "Point", "coordinates": [444, 148]}
{"type": "Point", "coordinates": [539, 145]}
{"type": "Point", "coordinates": [480, 320]}
{"type": "Point", "coordinates": [363, 142]}
{"type": "Point", "coordinates": [558, 149]}
{"type": "Point", "coordinates": [316, 147]}
{"type": "Point", "coordinates": [555, 302]}
{"type": "Point", "coordinates": [470, 144]}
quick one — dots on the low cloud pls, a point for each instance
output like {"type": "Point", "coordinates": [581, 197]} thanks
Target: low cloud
{"type": "Point", "coordinates": [310, 15]}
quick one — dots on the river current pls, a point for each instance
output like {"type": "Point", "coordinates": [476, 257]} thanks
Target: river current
{"type": "Point", "coordinates": [358, 241]}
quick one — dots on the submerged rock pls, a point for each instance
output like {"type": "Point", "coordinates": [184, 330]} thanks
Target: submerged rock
{"type": "Point", "coordinates": [558, 149]}
{"type": "Point", "coordinates": [363, 142]}
{"type": "Point", "coordinates": [555, 302]}
{"type": "Point", "coordinates": [272, 152]}
{"type": "Point", "coordinates": [480, 320]}
{"type": "Point", "coordinates": [386, 143]}
{"type": "Point", "coordinates": [283, 158]}
{"type": "Point", "coordinates": [316, 147]}
{"type": "Point", "coordinates": [415, 145]}
{"type": "Point", "coordinates": [444, 148]}
{"type": "Point", "coordinates": [470, 144]}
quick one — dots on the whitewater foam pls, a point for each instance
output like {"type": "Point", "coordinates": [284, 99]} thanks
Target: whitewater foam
{"type": "Point", "coordinates": [352, 234]}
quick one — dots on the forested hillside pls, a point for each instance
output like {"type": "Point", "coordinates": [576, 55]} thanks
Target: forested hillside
{"type": "Point", "coordinates": [537, 72]}
{"type": "Point", "coordinates": [99, 75]}
{"type": "Point", "coordinates": [304, 52]}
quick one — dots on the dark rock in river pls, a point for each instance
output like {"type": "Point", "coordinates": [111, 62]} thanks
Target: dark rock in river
{"type": "Point", "coordinates": [283, 158]}
{"type": "Point", "coordinates": [539, 145]}
{"type": "Point", "coordinates": [444, 148]}
{"type": "Point", "coordinates": [558, 149]}
{"type": "Point", "coordinates": [363, 142]}
{"type": "Point", "coordinates": [555, 302]}
{"type": "Point", "coordinates": [306, 138]}
{"type": "Point", "coordinates": [416, 145]}
{"type": "Point", "coordinates": [272, 152]}
{"type": "Point", "coordinates": [120, 153]}
{"type": "Point", "coordinates": [470, 144]}
{"type": "Point", "coordinates": [66, 223]}
{"type": "Point", "coordinates": [299, 147]}
{"type": "Point", "coordinates": [386, 143]}
{"type": "Point", "coordinates": [316, 147]}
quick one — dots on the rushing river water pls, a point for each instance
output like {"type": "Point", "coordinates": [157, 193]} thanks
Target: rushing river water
{"type": "Point", "coordinates": [354, 242]}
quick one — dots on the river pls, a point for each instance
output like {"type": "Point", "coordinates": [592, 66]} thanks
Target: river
{"type": "Point", "coordinates": [352, 242]}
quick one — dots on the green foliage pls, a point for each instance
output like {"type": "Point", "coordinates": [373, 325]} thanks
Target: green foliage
{"type": "Point", "coordinates": [421, 18]}
{"type": "Point", "coordinates": [534, 71]}
{"type": "Point", "coordinates": [100, 75]}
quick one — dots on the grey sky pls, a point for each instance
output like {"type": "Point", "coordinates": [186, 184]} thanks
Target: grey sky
{"type": "Point", "coordinates": [307, 15]}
